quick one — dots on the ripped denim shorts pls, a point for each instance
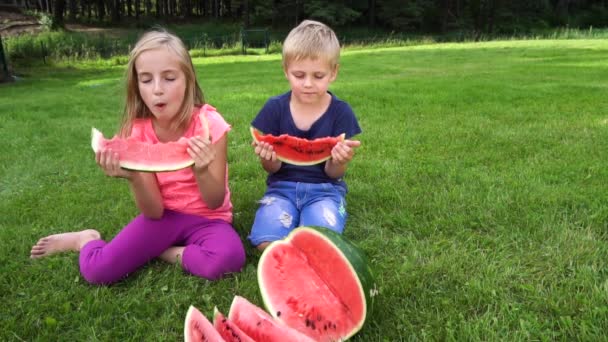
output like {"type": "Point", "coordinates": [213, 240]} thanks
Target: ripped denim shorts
{"type": "Point", "coordinates": [287, 205]}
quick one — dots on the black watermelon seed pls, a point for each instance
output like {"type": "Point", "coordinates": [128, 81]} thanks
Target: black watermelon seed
{"type": "Point", "coordinates": [324, 326]}
{"type": "Point", "coordinates": [307, 323]}
{"type": "Point", "coordinates": [313, 325]}
{"type": "Point", "coordinates": [224, 320]}
{"type": "Point", "coordinates": [278, 313]}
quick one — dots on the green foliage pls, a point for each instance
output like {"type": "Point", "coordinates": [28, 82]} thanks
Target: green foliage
{"type": "Point", "coordinates": [478, 194]}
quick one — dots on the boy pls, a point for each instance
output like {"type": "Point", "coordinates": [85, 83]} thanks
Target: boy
{"type": "Point", "coordinates": [305, 195]}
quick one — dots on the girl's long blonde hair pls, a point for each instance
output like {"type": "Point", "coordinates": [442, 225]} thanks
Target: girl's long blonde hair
{"type": "Point", "coordinates": [135, 107]}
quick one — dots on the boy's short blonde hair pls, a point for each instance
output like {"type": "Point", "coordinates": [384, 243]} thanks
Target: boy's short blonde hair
{"type": "Point", "coordinates": [311, 39]}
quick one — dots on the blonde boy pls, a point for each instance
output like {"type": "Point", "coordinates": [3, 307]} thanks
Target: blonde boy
{"type": "Point", "coordinates": [305, 195]}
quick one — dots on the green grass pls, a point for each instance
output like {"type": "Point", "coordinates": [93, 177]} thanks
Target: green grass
{"type": "Point", "coordinates": [479, 194]}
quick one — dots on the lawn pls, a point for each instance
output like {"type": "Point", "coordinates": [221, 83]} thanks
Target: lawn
{"type": "Point", "coordinates": [479, 194]}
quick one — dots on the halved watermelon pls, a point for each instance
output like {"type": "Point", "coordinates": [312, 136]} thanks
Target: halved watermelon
{"type": "Point", "coordinates": [227, 329]}
{"type": "Point", "coordinates": [299, 151]}
{"type": "Point", "coordinates": [317, 282]}
{"type": "Point", "coordinates": [197, 328]}
{"type": "Point", "coordinates": [259, 325]}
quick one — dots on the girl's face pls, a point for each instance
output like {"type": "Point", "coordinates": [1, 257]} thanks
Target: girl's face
{"type": "Point", "coordinates": [161, 83]}
{"type": "Point", "coordinates": [309, 79]}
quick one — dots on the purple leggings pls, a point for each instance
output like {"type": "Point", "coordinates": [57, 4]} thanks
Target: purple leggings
{"type": "Point", "coordinates": [213, 248]}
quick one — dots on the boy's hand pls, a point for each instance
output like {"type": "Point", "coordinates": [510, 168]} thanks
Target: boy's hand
{"type": "Point", "coordinates": [344, 151]}
{"type": "Point", "coordinates": [264, 150]}
{"type": "Point", "coordinates": [108, 161]}
{"type": "Point", "coordinates": [202, 151]}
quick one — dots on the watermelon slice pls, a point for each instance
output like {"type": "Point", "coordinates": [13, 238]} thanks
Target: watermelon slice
{"type": "Point", "coordinates": [197, 328]}
{"type": "Point", "coordinates": [227, 329]}
{"type": "Point", "coordinates": [141, 156]}
{"type": "Point", "coordinates": [299, 151]}
{"type": "Point", "coordinates": [259, 325]}
{"type": "Point", "coordinates": [316, 282]}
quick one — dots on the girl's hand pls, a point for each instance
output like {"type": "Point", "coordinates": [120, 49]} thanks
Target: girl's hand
{"type": "Point", "coordinates": [264, 150]}
{"type": "Point", "coordinates": [344, 151]}
{"type": "Point", "coordinates": [202, 151]}
{"type": "Point", "coordinates": [109, 163]}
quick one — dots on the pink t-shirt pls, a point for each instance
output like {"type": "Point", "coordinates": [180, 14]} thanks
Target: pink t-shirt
{"type": "Point", "coordinates": [179, 189]}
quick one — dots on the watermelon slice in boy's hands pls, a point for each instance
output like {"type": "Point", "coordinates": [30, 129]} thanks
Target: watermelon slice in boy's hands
{"type": "Point", "coordinates": [298, 151]}
{"type": "Point", "coordinates": [141, 156]}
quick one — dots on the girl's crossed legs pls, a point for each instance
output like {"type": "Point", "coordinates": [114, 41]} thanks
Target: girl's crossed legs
{"type": "Point", "coordinates": [212, 248]}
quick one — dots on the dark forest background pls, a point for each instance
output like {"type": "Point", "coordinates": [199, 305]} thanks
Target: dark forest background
{"type": "Point", "coordinates": [429, 16]}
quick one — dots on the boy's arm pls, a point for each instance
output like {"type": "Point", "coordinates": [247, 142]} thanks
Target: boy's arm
{"type": "Point", "coordinates": [268, 157]}
{"type": "Point", "coordinates": [341, 155]}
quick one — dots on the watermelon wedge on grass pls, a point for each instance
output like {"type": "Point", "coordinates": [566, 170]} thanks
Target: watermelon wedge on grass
{"type": "Point", "coordinates": [229, 331]}
{"type": "Point", "coordinates": [197, 328]}
{"type": "Point", "coordinates": [259, 325]}
{"type": "Point", "coordinates": [298, 151]}
{"type": "Point", "coordinates": [318, 283]}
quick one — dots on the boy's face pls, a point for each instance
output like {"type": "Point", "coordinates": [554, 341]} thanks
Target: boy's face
{"type": "Point", "coordinates": [309, 79]}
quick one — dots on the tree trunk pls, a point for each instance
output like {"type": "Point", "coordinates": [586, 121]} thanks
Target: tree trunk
{"type": "Point", "coordinates": [372, 13]}
{"type": "Point", "coordinates": [101, 10]}
{"type": "Point", "coordinates": [58, 14]}
{"type": "Point", "coordinates": [73, 7]}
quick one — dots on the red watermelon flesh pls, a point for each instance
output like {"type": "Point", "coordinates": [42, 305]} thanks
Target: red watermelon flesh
{"type": "Point", "coordinates": [259, 325]}
{"type": "Point", "coordinates": [140, 156]}
{"type": "Point", "coordinates": [310, 285]}
{"type": "Point", "coordinates": [299, 151]}
{"type": "Point", "coordinates": [197, 328]}
{"type": "Point", "coordinates": [228, 330]}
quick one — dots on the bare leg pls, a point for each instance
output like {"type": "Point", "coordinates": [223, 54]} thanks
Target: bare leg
{"type": "Point", "coordinates": [262, 246]}
{"type": "Point", "coordinates": [173, 254]}
{"type": "Point", "coordinates": [65, 242]}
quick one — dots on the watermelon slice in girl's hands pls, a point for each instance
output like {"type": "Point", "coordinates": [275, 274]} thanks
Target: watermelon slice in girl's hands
{"type": "Point", "coordinates": [298, 151]}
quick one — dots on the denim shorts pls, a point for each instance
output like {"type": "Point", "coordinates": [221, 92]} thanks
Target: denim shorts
{"type": "Point", "coordinates": [287, 205]}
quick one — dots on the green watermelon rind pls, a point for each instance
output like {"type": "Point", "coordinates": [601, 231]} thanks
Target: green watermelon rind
{"type": "Point", "coordinates": [97, 137]}
{"type": "Point", "coordinates": [292, 161]}
{"type": "Point", "coordinates": [356, 261]}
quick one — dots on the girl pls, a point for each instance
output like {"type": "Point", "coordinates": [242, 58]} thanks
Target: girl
{"type": "Point", "coordinates": [185, 215]}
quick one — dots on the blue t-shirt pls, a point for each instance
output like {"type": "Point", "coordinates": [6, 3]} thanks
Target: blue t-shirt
{"type": "Point", "coordinates": [275, 118]}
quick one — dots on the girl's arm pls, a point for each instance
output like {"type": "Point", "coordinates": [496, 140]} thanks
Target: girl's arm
{"type": "Point", "coordinates": [341, 155]}
{"type": "Point", "coordinates": [210, 169]}
{"type": "Point", "coordinates": [147, 194]}
{"type": "Point", "coordinates": [143, 185]}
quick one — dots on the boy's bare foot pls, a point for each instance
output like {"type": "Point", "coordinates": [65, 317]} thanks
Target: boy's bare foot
{"type": "Point", "coordinates": [65, 242]}
{"type": "Point", "coordinates": [173, 254]}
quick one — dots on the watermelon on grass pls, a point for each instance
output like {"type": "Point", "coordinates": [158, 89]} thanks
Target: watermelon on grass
{"type": "Point", "coordinates": [298, 151]}
{"type": "Point", "coordinates": [227, 329]}
{"type": "Point", "coordinates": [317, 282]}
{"type": "Point", "coordinates": [197, 328]}
{"type": "Point", "coordinates": [259, 325]}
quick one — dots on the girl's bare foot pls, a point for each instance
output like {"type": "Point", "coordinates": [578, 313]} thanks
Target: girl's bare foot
{"type": "Point", "coordinates": [65, 242]}
{"type": "Point", "coordinates": [173, 254]}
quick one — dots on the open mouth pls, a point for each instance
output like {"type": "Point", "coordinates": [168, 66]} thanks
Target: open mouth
{"type": "Point", "coordinates": [160, 105]}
